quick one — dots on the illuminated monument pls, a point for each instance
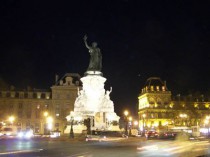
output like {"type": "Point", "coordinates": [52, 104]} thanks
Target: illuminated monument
{"type": "Point", "coordinates": [93, 109]}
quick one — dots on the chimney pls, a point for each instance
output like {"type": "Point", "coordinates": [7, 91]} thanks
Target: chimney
{"type": "Point", "coordinates": [56, 78]}
{"type": "Point", "coordinates": [165, 84]}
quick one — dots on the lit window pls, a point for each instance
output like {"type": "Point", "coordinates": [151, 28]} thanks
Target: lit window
{"type": "Point", "coordinates": [207, 105]}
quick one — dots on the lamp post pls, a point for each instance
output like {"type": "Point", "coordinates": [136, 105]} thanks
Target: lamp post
{"type": "Point", "coordinates": [49, 123]}
{"type": "Point", "coordinates": [11, 120]}
{"type": "Point", "coordinates": [130, 125]}
{"type": "Point", "coordinates": [126, 122]}
{"type": "Point", "coordinates": [167, 126]}
{"type": "Point", "coordinates": [206, 122]}
{"type": "Point", "coordinates": [44, 126]}
{"type": "Point", "coordinates": [71, 134]}
{"type": "Point", "coordinates": [143, 130]}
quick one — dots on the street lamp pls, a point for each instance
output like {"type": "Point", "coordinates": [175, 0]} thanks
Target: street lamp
{"type": "Point", "coordinates": [143, 130]}
{"type": "Point", "coordinates": [11, 119]}
{"type": "Point", "coordinates": [130, 125]}
{"type": "Point", "coordinates": [44, 123]}
{"type": "Point", "coordinates": [206, 122]}
{"type": "Point", "coordinates": [126, 122]}
{"type": "Point", "coordinates": [71, 135]}
{"type": "Point", "coordinates": [49, 123]}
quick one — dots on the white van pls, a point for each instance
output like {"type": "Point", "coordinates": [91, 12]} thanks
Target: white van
{"type": "Point", "coordinates": [8, 131]}
{"type": "Point", "coordinates": [195, 131]}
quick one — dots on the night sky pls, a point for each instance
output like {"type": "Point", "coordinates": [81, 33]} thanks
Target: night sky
{"type": "Point", "coordinates": [138, 40]}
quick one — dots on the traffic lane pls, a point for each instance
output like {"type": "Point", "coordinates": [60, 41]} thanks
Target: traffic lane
{"type": "Point", "coordinates": [173, 148]}
{"type": "Point", "coordinates": [60, 148]}
{"type": "Point", "coordinates": [125, 148]}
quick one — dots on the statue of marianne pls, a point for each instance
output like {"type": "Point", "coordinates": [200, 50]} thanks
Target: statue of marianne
{"type": "Point", "coordinates": [95, 63]}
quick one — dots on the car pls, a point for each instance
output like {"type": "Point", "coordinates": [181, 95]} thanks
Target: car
{"type": "Point", "coordinates": [167, 135]}
{"type": "Point", "coordinates": [8, 131]}
{"type": "Point", "coordinates": [151, 134]}
{"type": "Point", "coordinates": [25, 134]}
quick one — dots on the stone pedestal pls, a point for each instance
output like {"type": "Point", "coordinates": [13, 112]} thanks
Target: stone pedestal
{"type": "Point", "coordinates": [94, 102]}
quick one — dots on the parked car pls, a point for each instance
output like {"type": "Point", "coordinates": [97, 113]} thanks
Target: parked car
{"type": "Point", "coordinates": [151, 134]}
{"type": "Point", "coordinates": [8, 131]}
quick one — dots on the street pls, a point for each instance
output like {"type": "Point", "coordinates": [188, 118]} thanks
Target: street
{"type": "Point", "coordinates": [131, 147]}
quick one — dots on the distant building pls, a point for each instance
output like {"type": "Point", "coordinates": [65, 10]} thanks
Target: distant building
{"type": "Point", "coordinates": [41, 110]}
{"type": "Point", "coordinates": [159, 110]}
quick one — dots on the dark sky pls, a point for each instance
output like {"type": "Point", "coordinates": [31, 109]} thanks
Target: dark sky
{"type": "Point", "coordinates": [138, 39]}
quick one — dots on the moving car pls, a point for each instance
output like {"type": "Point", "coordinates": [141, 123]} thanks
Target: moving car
{"type": "Point", "coordinates": [168, 135]}
{"type": "Point", "coordinates": [151, 134]}
{"type": "Point", "coordinates": [25, 134]}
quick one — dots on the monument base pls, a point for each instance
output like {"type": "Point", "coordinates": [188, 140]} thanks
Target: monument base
{"type": "Point", "coordinates": [100, 121]}
{"type": "Point", "coordinates": [93, 108]}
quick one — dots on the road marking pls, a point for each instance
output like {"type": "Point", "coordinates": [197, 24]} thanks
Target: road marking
{"type": "Point", "coordinates": [86, 154]}
{"type": "Point", "coordinates": [21, 151]}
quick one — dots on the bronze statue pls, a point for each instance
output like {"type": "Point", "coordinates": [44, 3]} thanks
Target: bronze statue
{"type": "Point", "coordinates": [95, 63]}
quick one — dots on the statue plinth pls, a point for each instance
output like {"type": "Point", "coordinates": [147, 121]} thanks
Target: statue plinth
{"type": "Point", "coordinates": [94, 102]}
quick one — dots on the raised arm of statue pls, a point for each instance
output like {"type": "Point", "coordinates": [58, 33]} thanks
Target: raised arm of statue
{"type": "Point", "coordinates": [85, 40]}
{"type": "Point", "coordinates": [95, 63]}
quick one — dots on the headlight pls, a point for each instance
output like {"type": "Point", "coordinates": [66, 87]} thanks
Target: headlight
{"type": "Point", "coordinates": [28, 134]}
{"type": "Point", "coordinates": [8, 133]}
{"type": "Point", "coordinates": [20, 134]}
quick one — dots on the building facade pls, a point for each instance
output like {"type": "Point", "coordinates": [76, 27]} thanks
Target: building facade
{"type": "Point", "coordinates": [159, 110]}
{"type": "Point", "coordinates": [41, 110]}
